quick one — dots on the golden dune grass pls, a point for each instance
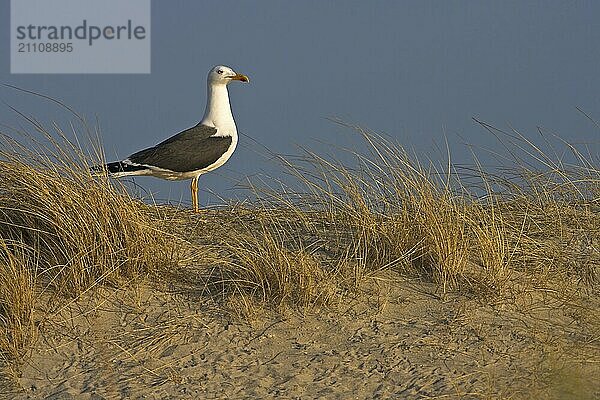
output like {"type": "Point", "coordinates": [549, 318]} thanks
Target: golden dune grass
{"type": "Point", "coordinates": [65, 231]}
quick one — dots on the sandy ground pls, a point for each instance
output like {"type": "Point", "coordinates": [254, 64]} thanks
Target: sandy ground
{"type": "Point", "coordinates": [393, 339]}
{"type": "Point", "coordinates": [403, 343]}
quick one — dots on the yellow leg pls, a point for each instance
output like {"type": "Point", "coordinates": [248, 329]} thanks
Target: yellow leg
{"type": "Point", "coordinates": [194, 189]}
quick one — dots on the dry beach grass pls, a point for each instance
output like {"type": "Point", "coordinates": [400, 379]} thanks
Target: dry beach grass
{"type": "Point", "coordinates": [383, 278]}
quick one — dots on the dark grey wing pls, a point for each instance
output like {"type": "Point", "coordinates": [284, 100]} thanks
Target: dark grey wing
{"type": "Point", "coordinates": [190, 150]}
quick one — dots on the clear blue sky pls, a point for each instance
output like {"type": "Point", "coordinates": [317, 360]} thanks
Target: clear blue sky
{"type": "Point", "coordinates": [415, 70]}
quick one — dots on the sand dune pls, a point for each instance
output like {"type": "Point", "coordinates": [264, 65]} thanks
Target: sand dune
{"type": "Point", "coordinates": [392, 341]}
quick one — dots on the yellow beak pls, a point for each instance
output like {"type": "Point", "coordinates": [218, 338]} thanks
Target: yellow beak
{"type": "Point", "coordinates": [240, 77]}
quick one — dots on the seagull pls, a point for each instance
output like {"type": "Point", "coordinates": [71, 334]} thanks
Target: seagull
{"type": "Point", "coordinates": [194, 151]}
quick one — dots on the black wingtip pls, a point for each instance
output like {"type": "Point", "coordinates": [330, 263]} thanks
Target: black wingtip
{"type": "Point", "coordinates": [115, 168]}
{"type": "Point", "coordinates": [98, 169]}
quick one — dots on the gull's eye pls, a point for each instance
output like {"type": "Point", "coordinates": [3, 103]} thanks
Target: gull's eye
{"type": "Point", "coordinates": [220, 71]}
